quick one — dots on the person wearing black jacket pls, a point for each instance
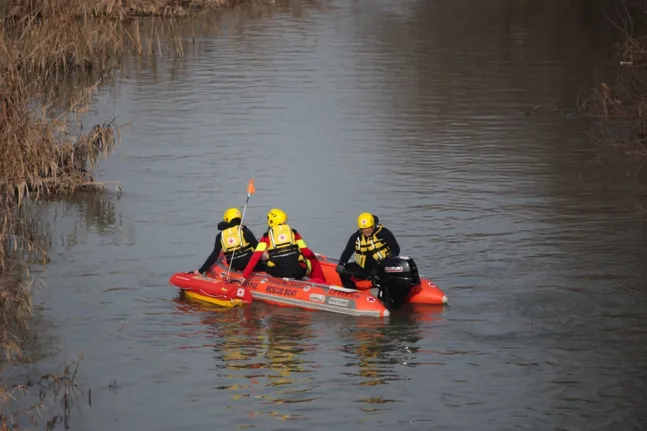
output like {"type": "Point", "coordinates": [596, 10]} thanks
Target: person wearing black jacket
{"type": "Point", "coordinates": [371, 243]}
{"type": "Point", "coordinates": [234, 241]}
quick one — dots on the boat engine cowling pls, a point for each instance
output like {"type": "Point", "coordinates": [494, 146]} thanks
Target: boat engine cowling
{"type": "Point", "coordinates": [395, 277]}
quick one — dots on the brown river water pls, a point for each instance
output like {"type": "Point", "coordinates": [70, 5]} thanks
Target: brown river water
{"type": "Point", "coordinates": [414, 110]}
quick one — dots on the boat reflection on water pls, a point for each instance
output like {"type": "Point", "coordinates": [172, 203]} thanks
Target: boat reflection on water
{"type": "Point", "coordinates": [263, 352]}
{"type": "Point", "coordinates": [379, 346]}
{"type": "Point", "coordinates": [282, 356]}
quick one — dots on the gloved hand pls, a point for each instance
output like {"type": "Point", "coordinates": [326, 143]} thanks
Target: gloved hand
{"type": "Point", "coordinates": [340, 268]}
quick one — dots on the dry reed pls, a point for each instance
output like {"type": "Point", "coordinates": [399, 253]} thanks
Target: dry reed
{"type": "Point", "coordinates": [49, 387]}
{"type": "Point", "coordinates": [621, 107]}
{"type": "Point", "coordinates": [41, 43]}
{"type": "Point", "coordinates": [44, 45]}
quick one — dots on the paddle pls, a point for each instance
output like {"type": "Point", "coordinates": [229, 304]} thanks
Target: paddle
{"type": "Point", "coordinates": [250, 191]}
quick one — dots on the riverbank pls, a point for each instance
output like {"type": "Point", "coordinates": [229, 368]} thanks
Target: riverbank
{"type": "Point", "coordinates": [43, 47]}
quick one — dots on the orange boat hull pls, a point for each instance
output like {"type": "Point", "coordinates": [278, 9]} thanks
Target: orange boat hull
{"type": "Point", "coordinates": [424, 293]}
{"type": "Point", "coordinates": [307, 294]}
{"type": "Point", "coordinates": [282, 292]}
{"type": "Point", "coordinates": [210, 290]}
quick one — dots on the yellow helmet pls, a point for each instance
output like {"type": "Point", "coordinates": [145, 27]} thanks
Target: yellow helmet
{"type": "Point", "coordinates": [365, 220]}
{"type": "Point", "coordinates": [276, 217]}
{"type": "Point", "coordinates": [231, 214]}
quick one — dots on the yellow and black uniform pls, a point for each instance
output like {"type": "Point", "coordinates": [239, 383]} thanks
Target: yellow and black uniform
{"type": "Point", "coordinates": [284, 248]}
{"type": "Point", "coordinates": [235, 240]}
{"type": "Point", "coordinates": [289, 255]}
{"type": "Point", "coordinates": [368, 251]}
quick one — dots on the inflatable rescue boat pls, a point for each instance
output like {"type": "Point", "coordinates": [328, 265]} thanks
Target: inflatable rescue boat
{"type": "Point", "coordinates": [395, 283]}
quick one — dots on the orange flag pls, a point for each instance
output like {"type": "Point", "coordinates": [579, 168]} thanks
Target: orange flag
{"type": "Point", "coordinates": [250, 187]}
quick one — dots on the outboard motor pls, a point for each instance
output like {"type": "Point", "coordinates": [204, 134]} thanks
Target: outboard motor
{"type": "Point", "coordinates": [395, 277]}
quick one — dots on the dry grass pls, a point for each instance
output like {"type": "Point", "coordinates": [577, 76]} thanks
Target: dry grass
{"type": "Point", "coordinates": [114, 9]}
{"type": "Point", "coordinates": [621, 107]}
{"type": "Point", "coordinates": [41, 44]}
{"type": "Point", "coordinates": [44, 46]}
{"type": "Point", "coordinates": [24, 242]}
{"type": "Point", "coordinates": [50, 387]}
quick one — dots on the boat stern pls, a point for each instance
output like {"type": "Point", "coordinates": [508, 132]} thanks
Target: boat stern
{"type": "Point", "coordinates": [427, 292]}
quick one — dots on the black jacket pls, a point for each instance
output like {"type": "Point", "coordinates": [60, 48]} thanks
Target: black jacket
{"type": "Point", "coordinates": [217, 247]}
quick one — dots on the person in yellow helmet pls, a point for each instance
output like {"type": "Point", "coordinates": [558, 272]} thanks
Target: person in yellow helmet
{"type": "Point", "coordinates": [234, 241]}
{"type": "Point", "coordinates": [371, 243]}
{"type": "Point", "coordinates": [287, 253]}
